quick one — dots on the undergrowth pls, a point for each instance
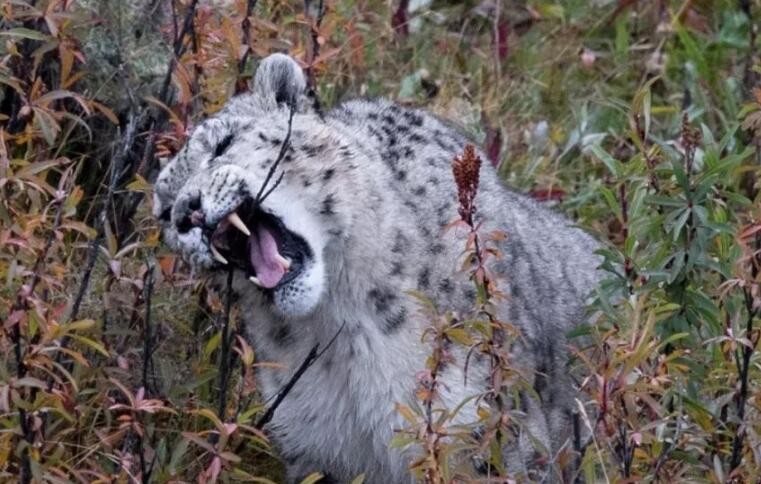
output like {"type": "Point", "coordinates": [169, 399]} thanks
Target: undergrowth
{"type": "Point", "coordinates": [642, 120]}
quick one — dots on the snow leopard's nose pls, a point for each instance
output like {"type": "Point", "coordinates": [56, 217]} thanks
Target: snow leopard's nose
{"type": "Point", "coordinates": [189, 213]}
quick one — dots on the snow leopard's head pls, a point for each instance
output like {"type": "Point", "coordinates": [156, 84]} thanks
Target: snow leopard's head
{"type": "Point", "coordinates": [206, 197]}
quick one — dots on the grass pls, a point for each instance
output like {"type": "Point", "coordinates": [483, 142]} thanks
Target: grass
{"type": "Point", "coordinates": [638, 119]}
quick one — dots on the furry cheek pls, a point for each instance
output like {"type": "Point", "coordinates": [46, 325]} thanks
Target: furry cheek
{"type": "Point", "coordinates": [302, 296]}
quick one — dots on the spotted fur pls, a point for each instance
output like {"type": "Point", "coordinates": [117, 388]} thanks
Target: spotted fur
{"type": "Point", "coordinates": [369, 187]}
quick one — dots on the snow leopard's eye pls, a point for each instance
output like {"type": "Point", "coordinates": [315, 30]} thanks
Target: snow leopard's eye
{"type": "Point", "coordinates": [223, 145]}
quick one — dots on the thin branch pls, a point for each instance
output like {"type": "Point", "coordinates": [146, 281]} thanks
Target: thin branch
{"type": "Point", "coordinates": [148, 348]}
{"type": "Point", "coordinates": [148, 281]}
{"type": "Point", "coordinates": [158, 119]}
{"type": "Point", "coordinates": [313, 356]}
{"type": "Point", "coordinates": [498, 41]}
{"type": "Point", "coordinates": [669, 449]}
{"type": "Point", "coordinates": [178, 50]}
{"type": "Point", "coordinates": [315, 51]}
{"type": "Point", "coordinates": [400, 20]}
{"type": "Point", "coordinates": [199, 97]}
{"type": "Point", "coordinates": [224, 359]}
{"type": "Point", "coordinates": [744, 373]}
{"type": "Point", "coordinates": [146, 163]}
{"type": "Point", "coordinates": [116, 171]}
{"type": "Point", "coordinates": [246, 26]}
{"type": "Point", "coordinates": [262, 195]}
{"type": "Point", "coordinates": [577, 447]}
{"type": "Point", "coordinates": [21, 304]}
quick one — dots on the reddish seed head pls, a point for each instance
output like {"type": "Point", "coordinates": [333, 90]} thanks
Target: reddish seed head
{"type": "Point", "coordinates": [691, 137]}
{"type": "Point", "coordinates": [466, 168]}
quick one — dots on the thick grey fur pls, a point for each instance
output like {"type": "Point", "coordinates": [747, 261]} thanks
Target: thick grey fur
{"type": "Point", "coordinates": [369, 187]}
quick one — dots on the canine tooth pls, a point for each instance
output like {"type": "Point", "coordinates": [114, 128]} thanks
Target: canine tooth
{"type": "Point", "coordinates": [255, 281]}
{"type": "Point", "coordinates": [283, 261]}
{"type": "Point", "coordinates": [217, 255]}
{"type": "Point", "coordinates": [234, 219]}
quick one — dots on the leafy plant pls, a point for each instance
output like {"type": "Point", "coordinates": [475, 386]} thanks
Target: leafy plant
{"type": "Point", "coordinates": [640, 119]}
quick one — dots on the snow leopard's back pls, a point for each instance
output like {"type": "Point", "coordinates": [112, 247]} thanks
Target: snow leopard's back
{"type": "Point", "coordinates": [548, 265]}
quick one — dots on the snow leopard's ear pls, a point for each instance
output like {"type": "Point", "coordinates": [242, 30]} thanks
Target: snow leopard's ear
{"type": "Point", "coordinates": [280, 80]}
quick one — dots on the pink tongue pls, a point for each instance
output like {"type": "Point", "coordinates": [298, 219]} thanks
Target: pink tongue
{"type": "Point", "coordinates": [262, 252]}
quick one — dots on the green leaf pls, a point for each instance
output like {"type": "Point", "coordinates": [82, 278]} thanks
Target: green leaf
{"type": "Point", "coordinates": [666, 201]}
{"type": "Point", "coordinates": [681, 220]}
{"type": "Point", "coordinates": [460, 336]}
{"type": "Point", "coordinates": [612, 202]}
{"type": "Point", "coordinates": [613, 165]}
{"type": "Point", "coordinates": [312, 478]}
{"type": "Point", "coordinates": [360, 479]}
{"type": "Point", "coordinates": [47, 124]}
{"type": "Point", "coordinates": [681, 175]}
{"type": "Point", "coordinates": [25, 33]}
{"type": "Point", "coordinates": [32, 382]}
{"type": "Point", "coordinates": [554, 10]}
{"type": "Point", "coordinates": [177, 454]}
{"type": "Point", "coordinates": [91, 344]}
{"type": "Point", "coordinates": [400, 441]}
{"type": "Point", "coordinates": [694, 53]}
{"type": "Point", "coordinates": [700, 414]}
{"type": "Point", "coordinates": [637, 202]}
{"type": "Point", "coordinates": [212, 345]}
{"type": "Point", "coordinates": [622, 39]}
{"type": "Point", "coordinates": [81, 325]}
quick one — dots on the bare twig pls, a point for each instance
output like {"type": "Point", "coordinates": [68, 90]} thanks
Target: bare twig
{"type": "Point", "coordinates": [629, 270]}
{"type": "Point", "coordinates": [750, 77]}
{"type": "Point", "coordinates": [199, 97]}
{"type": "Point", "coordinates": [164, 95]}
{"type": "Point", "coordinates": [178, 50]}
{"type": "Point", "coordinates": [262, 194]}
{"type": "Point", "coordinates": [313, 356]}
{"type": "Point", "coordinates": [148, 281]}
{"type": "Point", "coordinates": [399, 20]}
{"type": "Point", "coordinates": [577, 447]}
{"type": "Point", "coordinates": [498, 40]}
{"type": "Point", "coordinates": [148, 348]}
{"type": "Point", "coordinates": [315, 52]}
{"type": "Point", "coordinates": [224, 357]}
{"type": "Point", "coordinates": [669, 449]}
{"type": "Point", "coordinates": [21, 304]}
{"type": "Point", "coordinates": [117, 168]}
{"type": "Point", "coordinates": [308, 361]}
{"type": "Point", "coordinates": [242, 85]}
{"type": "Point", "coordinates": [743, 375]}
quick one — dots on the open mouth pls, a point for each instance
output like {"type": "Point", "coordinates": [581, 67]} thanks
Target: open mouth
{"type": "Point", "coordinates": [259, 244]}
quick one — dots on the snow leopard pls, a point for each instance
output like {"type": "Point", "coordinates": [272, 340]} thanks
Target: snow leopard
{"type": "Point", "coordinates": [355, 219]}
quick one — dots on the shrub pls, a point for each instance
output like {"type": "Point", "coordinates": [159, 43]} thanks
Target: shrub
{"type": "Point", "coordinates": [640, 119]}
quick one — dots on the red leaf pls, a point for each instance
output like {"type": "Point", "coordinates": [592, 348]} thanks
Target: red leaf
{"type": "Point", "coordinates": [547, 194]}
{"type": "Point", "coordinates": [503, 30]}
{"type": "Point", "coordinates": [400, 21]}
{"type": "Point", "coordinates": [493, 141]}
